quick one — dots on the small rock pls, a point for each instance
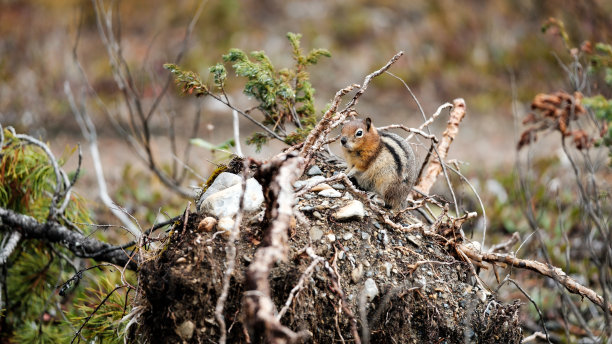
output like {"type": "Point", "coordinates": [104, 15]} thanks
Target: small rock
{"type": "Point", "coordinates": [181, 260]}
{"type": "Point", "coordinates": [338, 186]}
{"type": "Point", "coordinates": [370, 289]}
{"type": "Point", "coordinates": [314, 171]}
{"type": "Point", "coordinates": [357, 273]}
{"type": "Point", "coordinates": [207, 224]}
{"type": "Point", "coordinates": [332, 193]}
{"type": "Point", "coordinates": [222, 182]}
{"type": "Point", "coordinates": [185, 330]}
{"type": "Point", "coordinates": [331, 237]}
{"type": "Point", "coordinates": [226, 202]}
{"type": "Point", "coordinates": [341, 255]}
{"type": "Point", "coordinates": [347, 236]}
{"type": "Point", "coordinates": [376, 224]}
{"type": "Point", "coordinates": [307, 208]}
{"type": "Point", "coordinates": [225, 224]}
{"type": "Point", "coordinates": [320, 187]}
{"type": "Point", "coordinates": [353, 210]}
{"type": "Point", "coordinates": [388, 267]}
{"type": "Point", "coordinates": [315, 233]}
{"type": "Point", "coordinates": [365, 236]}
{"type": "Point", "coordinates": [317, 215]}
{"type": "Point", "coordinates": [385, 238]}
{"type": "Point", "coordinates": [481, 295]}
{"type": "Point", "coordinates": [247, 258]}
{"type": "Point", "coordinates": [348, 196]}
{"type": "Point", "coordinates": [323, 205]}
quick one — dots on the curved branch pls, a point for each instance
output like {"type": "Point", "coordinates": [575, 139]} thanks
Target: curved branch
{"type": "Point", "coordinates": [53, 232]}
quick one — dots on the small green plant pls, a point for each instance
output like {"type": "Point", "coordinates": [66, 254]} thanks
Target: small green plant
{"type": "Point", "coordinates": [283, 96]}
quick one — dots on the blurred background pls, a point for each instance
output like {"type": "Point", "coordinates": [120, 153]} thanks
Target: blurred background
{"type": "Point", "coordinates": [494, 54]}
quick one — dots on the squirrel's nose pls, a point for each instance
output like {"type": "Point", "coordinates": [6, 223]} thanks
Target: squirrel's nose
{"type": "Point", "coordinates": [343, 140]}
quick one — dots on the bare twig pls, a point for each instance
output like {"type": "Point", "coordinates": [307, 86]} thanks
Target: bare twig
{"type": "Point", "coordinates": [410, 130]}
{"type": "Point", "coordinates": [484, 212]}
{"type": "Point", "coordinates": [544, 269]}
{"type": "Point", "coordinates": [506, 280]}
{"type": "Point", "coordinates": [230, 259]}
{"type": "Point", "coordinates": [277, 177]}
{"type": "Point", "coordinates": [337, 289]}
{"type": "Point", "coordinates": [298, 286]}
{"type": "Point", "coordinates": [61, 180]}
{"type": "Point", "coordinates": [7, 248]}
{"type": "Point", "coordinates": [237, 133]}
{"type": "Point", "coordinates": [89, 132]}
{"type": "Point", "coordinates": [432, 118]}
{"type": "Point", "coordinates": [331, 119]}
{"type": "Point", "coordinates": [53, 232]}
{"type": "Point", "coordinates": [440, 147]}
{"type": "Point", "coordinates": [434, 169]}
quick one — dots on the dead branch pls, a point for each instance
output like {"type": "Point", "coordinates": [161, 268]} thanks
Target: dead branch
{"type": "Point", "coordinates": [544, 269]}
{"type": "Point", "coordinates": [277, 177]}
{"type": "Point", "coordinates": [88, 130]}
{"type": "Point", "coordinates": [53, 232]}
{"type": "Point", "coordinates": [299, 285]}
{"type": "Point", "coordinates": [331, 119]}
{"type": "Point", "coordinates": [230, 258]}
{"type": "Point", "coordinates": [434, 169]}
{"type": "Point", "coordinates": [337, 289]}
{"type": "Point", "coordinates": [410, 130]}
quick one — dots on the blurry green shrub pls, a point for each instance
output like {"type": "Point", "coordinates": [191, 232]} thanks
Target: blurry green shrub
{"type": "Point", "coordinates": [283, 96]}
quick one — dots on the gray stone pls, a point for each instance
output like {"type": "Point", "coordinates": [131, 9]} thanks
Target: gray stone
{"type": "Point", "coordinates": [347, 236]}
{"type": "Point", "coordinates": [226, 202]}
{"type": "Point", "coordinates": [365, 236]}
{"type": "Point", "coordinates": [331, 237]}
{"type": "Point", "coordinates": [348, 196]}
{"type": "Point", "coordinates": [314, 171]}
{"type": "Point", "coordinates": [353, 210]}
{"type": "Point", "coordinates": [315, 233]}
{"type": "Point", "coordinates": [333, 193]}
{"type": "Point", "coordinates": [222, 182]}
{"type": "Point", "coordinates": [370, 289]}
{"type": "Point", "coordinates": [338, 186]}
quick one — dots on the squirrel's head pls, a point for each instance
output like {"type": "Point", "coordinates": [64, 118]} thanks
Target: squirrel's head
{"type": "Point", "coordinates": [359, 134]}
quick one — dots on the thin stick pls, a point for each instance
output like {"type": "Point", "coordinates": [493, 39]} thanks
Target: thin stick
{"type": "Point", "coordinates": [298, 286]}
{"type": "Point", "coordinates": [544, 269]}
{"type": "Point", "coordinates": [230, 260]}
{"type": "Point", "coordinates": [237, 133]}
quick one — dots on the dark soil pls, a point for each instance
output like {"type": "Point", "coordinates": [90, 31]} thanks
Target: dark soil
{"type": "Point", "coordinates": [434, 302]}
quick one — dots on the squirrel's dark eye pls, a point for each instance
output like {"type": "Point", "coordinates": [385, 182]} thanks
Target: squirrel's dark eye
{"type": "Point", "coordinates": [359, 133]}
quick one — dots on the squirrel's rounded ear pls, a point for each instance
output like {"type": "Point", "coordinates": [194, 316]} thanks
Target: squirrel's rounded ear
{"type": "Point", "coordinates": [368, 122]}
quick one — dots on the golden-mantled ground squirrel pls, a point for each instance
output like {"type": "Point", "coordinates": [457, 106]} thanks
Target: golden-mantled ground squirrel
{"type": "Point", "coordinates": [379, 161]}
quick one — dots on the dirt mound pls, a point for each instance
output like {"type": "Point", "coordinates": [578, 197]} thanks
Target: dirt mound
{"type": "Point", "coordinates": [396, 286]}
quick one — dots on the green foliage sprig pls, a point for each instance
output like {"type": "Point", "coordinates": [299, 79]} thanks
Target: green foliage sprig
{"type": "Point", "coordinates": [283, 96]}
